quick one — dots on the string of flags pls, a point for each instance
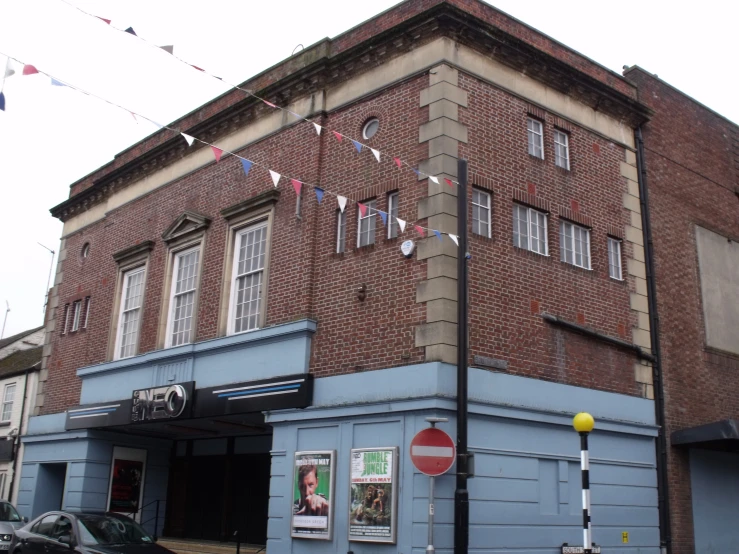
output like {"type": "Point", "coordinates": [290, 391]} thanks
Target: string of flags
{"type": "Point", "coordinates": [247, 164]}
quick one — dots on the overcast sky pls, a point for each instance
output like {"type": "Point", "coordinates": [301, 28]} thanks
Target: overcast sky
{"type": "Point", "coordinates": [52, 136]}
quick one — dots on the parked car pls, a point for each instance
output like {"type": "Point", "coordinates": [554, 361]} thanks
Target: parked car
{"type": "Point", "coordinates": [84, 533]}
{"type": "Point", "coordinates": [9, 522]}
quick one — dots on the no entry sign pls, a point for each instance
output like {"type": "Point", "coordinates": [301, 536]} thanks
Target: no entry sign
{"type": "Point", "coordinates": [432, 451]}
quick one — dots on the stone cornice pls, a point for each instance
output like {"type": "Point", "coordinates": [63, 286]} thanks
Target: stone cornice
{"type": "Point", "coordinates": [254, 203]}
{"type": "Point", "coordinates": [133, 251]}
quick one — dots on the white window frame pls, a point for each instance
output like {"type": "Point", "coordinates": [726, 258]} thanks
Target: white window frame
{"type": "Point", "coordinates": [392, 215]}
{"type": "Point", "coordinates": [535, 132]}
{"type": "Point", "coordinates": [578, 234]}
{"type": "Point", "coordinates": [340, 231]}
{"type": "Point", "coordinates": [88, 301]}
{"type": "Point", "coordinates": [540, 217]}
{"type": "Point", "coordinates": [615, 268]}
{"type": "Point", "coordinates": [76, 315]}
{"type": "Point", "coordinates": [122, 311]}
{"type": "Point", "coordinates": [482, 208]}
{"type": "Point", "coordinates": [178, 256]}
{"type": "Point", "coordinates": [561, 149]}
{"type": "Point", "coordinates": [67, 311]}
{"type": "Point", "coordinates": [7, 412]}
{"type": "Point", "coordinates": [370, 220]}
{"type": "Point", "coordinates": [235, 276]}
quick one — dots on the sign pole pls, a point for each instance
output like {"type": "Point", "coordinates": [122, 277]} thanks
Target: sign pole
{"type": "Point", "coordinates": [430, 548]}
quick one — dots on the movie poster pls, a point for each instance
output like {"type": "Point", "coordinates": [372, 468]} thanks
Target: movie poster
{"type": "Point", "coordinates": [125, 488]}
{"type": "Point", "coordinates": [373, 502]}
{"type": "Point", "coordinates": [313, 494]}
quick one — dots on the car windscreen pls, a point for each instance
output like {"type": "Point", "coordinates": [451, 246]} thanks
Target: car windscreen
{"type": "Point", "coordinates": [8, 513]}
{"type": "Point", "coordinates": [109, 530]}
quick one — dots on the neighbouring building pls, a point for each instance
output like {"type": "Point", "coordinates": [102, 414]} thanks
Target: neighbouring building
{"type": "Point", "coordinates": [692, 173]}
{"type": "Point", "coordinates": [20, 363]}
{"type": "Point", "coordinates": [211, 319]}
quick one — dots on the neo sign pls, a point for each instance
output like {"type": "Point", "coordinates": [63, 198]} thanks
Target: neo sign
{"type": "Point", "coordinates": [158, 403]}
{"type": "Point", "coordinates": [433, 451]}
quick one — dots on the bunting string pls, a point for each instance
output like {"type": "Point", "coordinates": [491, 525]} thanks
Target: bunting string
{"type": "Point", "coordinates": [247, 164]}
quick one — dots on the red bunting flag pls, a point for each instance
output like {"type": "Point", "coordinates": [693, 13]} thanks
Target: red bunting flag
{"type": "Point", "coordinates": [398, 162]}
{"type": "Point", "coordinates": [28, 69]}
{"type": "Point", "coordinates": [296, 185]}
{"type": "Point", "coordinates": [103, 19]}
{"type": "Point", "coordinates": [420, 230]}
{"type": "Point", "coordinates": [270, 104]}
{"type": "Point", "coordinates": [449, 182]}
{"type": "Point", "coordinates": [338, 135]}
{"type": "Point", "coordinates": [198, 68]}
{"type": "Point", "coordinates": [217, 153]}
{"type": "Point", "coordinates": [362, 209]}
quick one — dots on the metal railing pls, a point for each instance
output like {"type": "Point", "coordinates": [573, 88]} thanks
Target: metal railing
{"type": "Point", "coordinates": [155, 519]}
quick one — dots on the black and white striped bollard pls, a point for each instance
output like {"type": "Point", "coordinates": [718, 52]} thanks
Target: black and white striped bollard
{"type": "Point", "coordinates": [583, 424]}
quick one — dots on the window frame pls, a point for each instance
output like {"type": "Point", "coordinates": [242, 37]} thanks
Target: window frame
{"type": "Point", "coordinates": [260, 222]}
{"type": "Point", "coordinates": [488, 208]}
{"type": "Point", "coordinates": [617, 252]}
{"type": "Point", "coordinates": [558, 146]}
{"type": "Point", "coordinates": [8, 404]}
{"type": "Point", "coordinates": [88, 301]}
{"type": "Point", "coordinates": [65, 325]}
{"type": "Point", "coordinates": [531, 134]}
{"type": "Point", "coordinates": [529, 219]}
{"type": "Point", "coordinates": [126, 275]}
{"type": "Point", "coordinates": [393, 198]}
{"type": "Point", "coordinates": [176, 257]}
{"type": "Point", "coordinates": [564, 224]}
{"type": "Point", "coordinates": [371, 219]}
{"type": "Point", "coordinates": [340, 231]}
{"type": "Point", "coordinates": [76, 315]}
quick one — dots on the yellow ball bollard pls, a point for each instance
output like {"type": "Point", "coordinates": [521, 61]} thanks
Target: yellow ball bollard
{"type": "Point", "coordinates": [583, 422]}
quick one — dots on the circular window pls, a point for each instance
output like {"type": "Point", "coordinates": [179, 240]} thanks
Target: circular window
{"type": "Point", "coordinates": [370, 128]}
{"type": "Point", "coordinates": [86, 250]}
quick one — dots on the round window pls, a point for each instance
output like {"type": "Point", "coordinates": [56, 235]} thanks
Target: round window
{"type": "Point", "coordinates": [370, 128]}
{"type": "Point", "coordinates": [86, 250]}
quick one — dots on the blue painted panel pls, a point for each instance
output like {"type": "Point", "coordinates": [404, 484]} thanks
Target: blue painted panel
{"type": "Point", "coordinates": [714, 480]}
{"type": "Point", "coordinates": [317, 438]}
{"type": "Point", "coordinates": [376, 434]}
{"type": "Point", "coordinates": [42, 425]}
{"type": "Point", "coordinates": [548, 487]}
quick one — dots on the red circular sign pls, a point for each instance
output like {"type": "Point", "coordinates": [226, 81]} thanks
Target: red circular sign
{"type": "Point", "coordinates": [433, 451]}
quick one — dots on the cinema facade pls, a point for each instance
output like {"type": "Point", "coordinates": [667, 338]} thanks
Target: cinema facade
{"type": "Point", "coordinates": [248, 357]}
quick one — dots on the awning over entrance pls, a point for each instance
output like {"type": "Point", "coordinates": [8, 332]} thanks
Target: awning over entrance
{"type": "Point", "coordinates": [719, 435]}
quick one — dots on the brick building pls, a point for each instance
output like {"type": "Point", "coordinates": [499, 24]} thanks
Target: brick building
{"type": "Point", "coordinates": [185, 277]}
{"type": "Point", "coordinates": [692, 170]}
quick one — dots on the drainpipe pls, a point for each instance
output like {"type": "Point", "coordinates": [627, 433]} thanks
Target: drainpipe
{"type": "Point", "coordinates": [20, 434]}
{"type": "Point", "coordinates": [665, 532]}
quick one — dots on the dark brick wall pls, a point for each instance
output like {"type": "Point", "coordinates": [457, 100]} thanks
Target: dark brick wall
{"type": "Point", "coordinates": [691, 157]}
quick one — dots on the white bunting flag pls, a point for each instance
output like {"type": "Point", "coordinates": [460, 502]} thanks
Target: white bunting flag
{"type": "Point", "coordinates": [342, 202]}
{"type": "Point", "coordinates": [401, 224]}
{"type": "Point", "coordinates": [275, 177]}
{"type": "Point", "coordinates": [454, 238]}
{"type": "Point", "coordinates": [376, 153]}
{"type": "Point", "coordinates": [188, 138]}
{"type": "Point", "coordinates": [434, 179]}
{"type": "Point", "coordinates": [318, 128]}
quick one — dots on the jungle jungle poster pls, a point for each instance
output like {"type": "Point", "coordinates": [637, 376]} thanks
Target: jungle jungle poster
{"type": "Point", "coordinates": [373, 505]}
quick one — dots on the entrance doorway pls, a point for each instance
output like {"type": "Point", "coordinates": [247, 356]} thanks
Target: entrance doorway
{"type": "Point", "coordinates": [50, 484]}
{"type": "Point", "coordinates": [219, 487]}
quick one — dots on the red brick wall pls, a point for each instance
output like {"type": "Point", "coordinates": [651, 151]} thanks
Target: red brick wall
{"type": "Point", "coordinates": [690, 157]}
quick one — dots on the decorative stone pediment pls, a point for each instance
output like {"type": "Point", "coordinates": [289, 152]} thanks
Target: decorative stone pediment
{"type": "Point", "coordinates": [189, 224]}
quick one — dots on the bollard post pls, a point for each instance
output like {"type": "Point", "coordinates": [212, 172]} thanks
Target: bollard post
{"type": "Point", "coordinates": [583, 424]}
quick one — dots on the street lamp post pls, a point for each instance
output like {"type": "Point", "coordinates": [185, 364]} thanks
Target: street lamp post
{"type": "Point", "coordinates": [583, 424]}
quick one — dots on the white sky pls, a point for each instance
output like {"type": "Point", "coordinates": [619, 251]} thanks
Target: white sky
{"type": "Point", "coordinates": [52, 136]}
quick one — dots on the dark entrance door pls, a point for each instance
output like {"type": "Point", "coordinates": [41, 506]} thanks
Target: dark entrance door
{"type": "Point", "coordinates": [205, 499]}
{"type": "Point", "coordinates": [250, 497]}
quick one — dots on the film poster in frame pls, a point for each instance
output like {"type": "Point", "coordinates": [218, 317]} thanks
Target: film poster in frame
{"type": "Point", "coordinates": [314, 473]}
{"type": "Point", "coordinates": [373, 502]}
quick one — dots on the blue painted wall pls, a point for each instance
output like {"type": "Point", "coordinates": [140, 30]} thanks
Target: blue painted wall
{"type": "Point", "coordinates": [714, 481]}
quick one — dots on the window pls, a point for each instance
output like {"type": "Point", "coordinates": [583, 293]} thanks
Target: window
{"type": "Point", "coordinates": [87, 312]}
{"type": "Point", "coordinates": [574, 244]}
{"type": "Point", "coordinates": [614, 258]}
{"type": "Point", "coordinates": [182, 297]}
{"type": "Point", "coordinates": [46, 525]}
{"type": "Point", "coordinates": [62, 528]}
{"type": "Point", "coordinates": [530, 229]}
{"type": "Point", "coordinates": [85, 250]}
{"type": "Point", "coordinates": [76, 314]}
{"type": "Point", "coordinates": [536, 138]}
{"type": "Point", "coordinates": [340, 231]}
{"type": "Point", "coordinates": [392, 213]}
{"type": "Point", "coordinates": [8, 396]}
{"type": "Point", "coordinates": [366, 230]}
{"type": "Point", "coordinates": [481, 213]}
{"type": "Point", "coordinates": [65, 325]}
{"type": "Point", "coordinates": [370, 128]}
{"type": "Point", "coordinates": [248, 274]}
{"type": "Point", "coordinates": [132, 294]}
{"type": "Point", "coordinates": [561, 150]}
{"type": "Point", "coordinates": [3, 482]}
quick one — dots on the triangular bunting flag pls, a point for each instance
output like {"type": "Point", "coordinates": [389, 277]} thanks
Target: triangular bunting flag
{"type": "Point", "coordinates": [319, 193]}
{"type": "Point", "coordinates": [2, 101]}
{"type": "Point", "coordinates": [362, 209]}
{"type": "Point", "coordinates": [169, 49]}
{"type": "Point", "coordinates": [401, 224]}
{"type": "Point", "coordinates": [130, 31]}
{"type": "Point", "coordinates": [376, 153]}
{"type": "Point", "coordinates": [357, 145]}
{"type": "Point", "coordinates": [9, 71]}
{"type": "Point", "coordinates": [416, 171]}
{"type": "Point", "coordinates": [29, 70]}
{"type": "Point", "coordinates": [398, 162]}
{"type": "Point", "coordinates": [198, 68]}
{"type": "Point", "coordinates": [270, 104]}
{"type": "Point", "coordinates": [342, 202]}
{"type": "Point", "coordinates": [297, 185]}
{"type": "Point", "coordinates": [454, 238]}
{"type": "Point", "coordinates": [434, 179]}
{"type": "Point", "coordinates": [275, 177]}
{"type": "Point", "coordinates": [103, 19]}
{"type": "Point", "coordinates": [338, 135]}
{"type": "Point", "coordinates": [157, 125]}
{"type": "Point", "coordinates": [246, 164]}
{"type": "Point", "coordinates": [188, 138]}
{"type": "Point", "coordinates": [383, 215]}
{"type": "Point", "coordinates": [449, 182]}
{"type": "Point", "coordinates": [217, 153]}
{"type": "Point", "coordinates": [318, 128]}
{"type": "Point", "coordinates": [420, 230]}
{"type": "Point", "coordinates": [438, 234]}
{"type": "Point", "coordinates": [55, 83]}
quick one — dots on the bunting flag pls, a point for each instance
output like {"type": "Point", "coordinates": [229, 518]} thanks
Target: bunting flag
{"type": "Point", "coordinates": [376, 153]}
{"type": "Point", "coordinates": [188, 138]}
{"type": "Point", "coordinates": [103, 19]}
{"type": "Point", "coordinates": [338, 135]}
{"type": "Point", "coordinates": [246, 164]}
{"type": "Point", "coordinates": [454, 238]}
{"type": "Point", "coordinates": [297, 185]}
{"type": "Point", "coordinates": [420, 230]}
{"type": "Point", "coordinates": [383, 215]}
{"type": "Point", "coordinates": [398, 162]}
{"type": "Point", "coordinates": [130, 31]}
{"type": "Point", "coordinates": [401, 224]}
{"type": "Point", "coordinates": [55, 83]}
{"type": "Point", "coordinates": [275, 177]}
{"type": "Point", "coordinates": [342, 202]}
{"type": "Point", "coordinates": [9, 71]}
{"type": "Point", "coordinates": [198, 68]}
{"type": "Point", "coordinates": [357, 145]}
{"type": "Point", "coordinates": [2, 101]}
{"type": "Point", "coordinates": [416, 171]}
{"type": "Point", "coordinates": [449, 182]}
{"type": "Point", "coordinates": [318, 128]}
{"type": "Point", "coordinates": [362, 209]}
{"type": "Point", "coordinates": [434, 179]}
{"type": "Point", "coordinates": [28, 69]}
{"type": "Point", "coordinates": [217, 153]}
{"type": "Point", "coordinates": [270, 104]}
{"type": "Point", "coordinates": [169, 49]}
{"type": "Point", "coordinates": [438, 234]}
{"type": "Point", "coordinates": [319, 194]}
